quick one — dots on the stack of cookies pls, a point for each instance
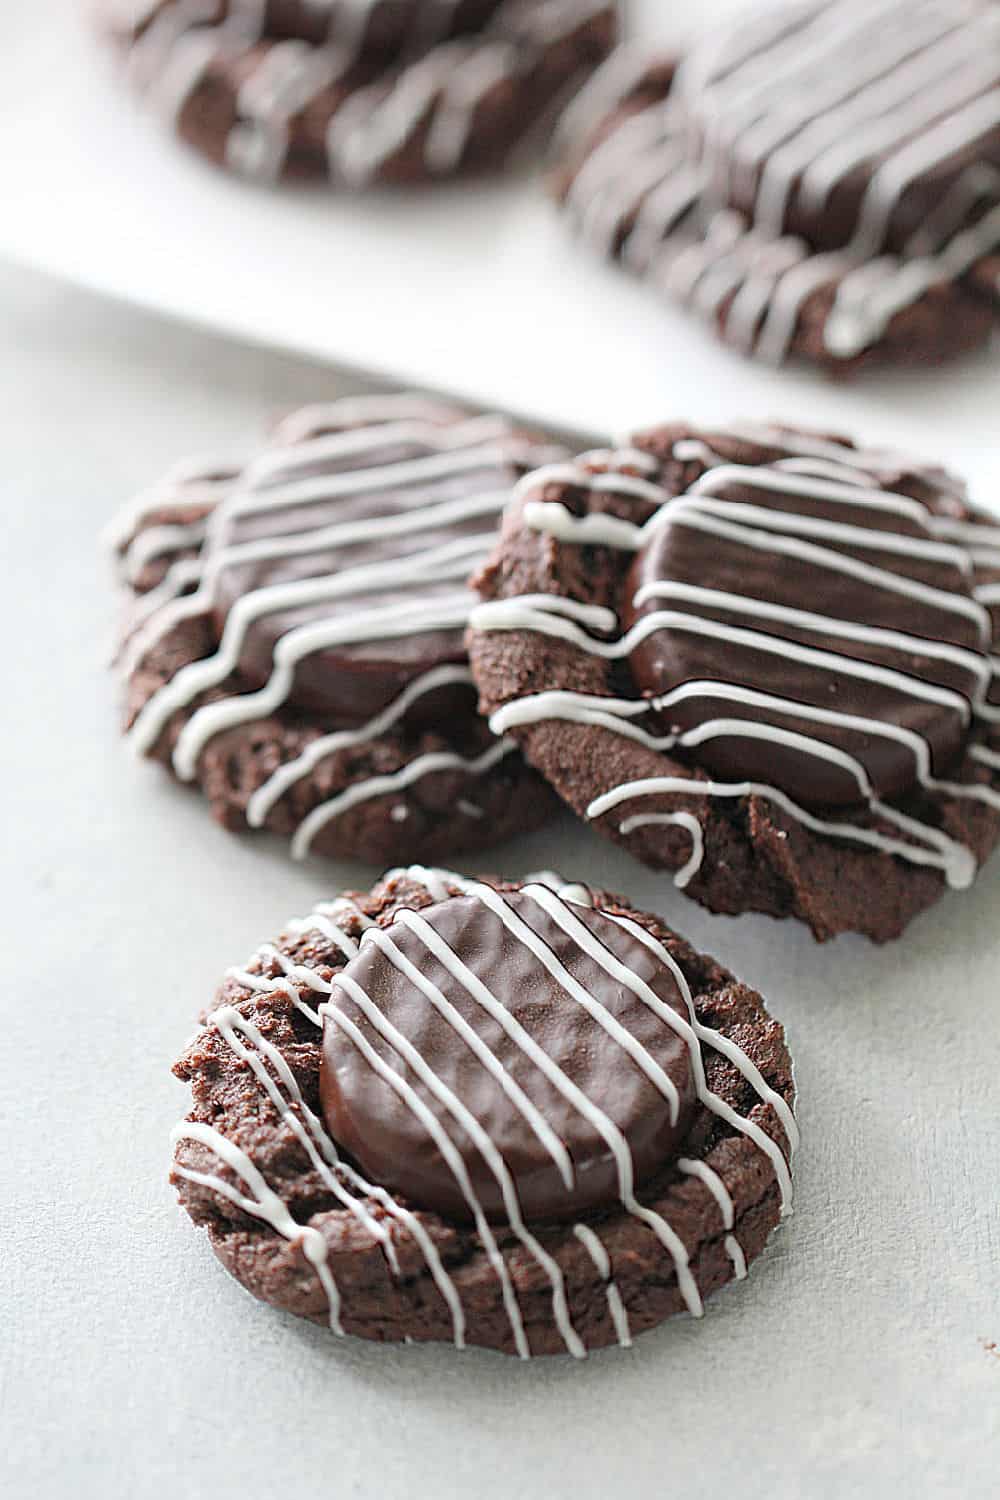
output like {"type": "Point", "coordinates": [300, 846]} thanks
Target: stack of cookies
{"type": "Point", "coordinates": [522, 1113]}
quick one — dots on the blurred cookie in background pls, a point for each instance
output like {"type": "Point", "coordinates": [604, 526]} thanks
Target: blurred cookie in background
{"type": "Point", "coordinates": [815, 184]}
{"type": "Point", "coordinates": [362, 91]}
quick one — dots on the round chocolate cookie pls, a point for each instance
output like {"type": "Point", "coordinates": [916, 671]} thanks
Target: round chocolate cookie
{"type": "Point", "coordinates": [518, 1115]}
{"type": "Point", "coordinates": [638, 193]}
{"type": "Point", "coordinates": [765, 659]}
{"type": "Point", "coordinates": [359, 91]}
{"type": "Point", "coordinates": [295, 637]}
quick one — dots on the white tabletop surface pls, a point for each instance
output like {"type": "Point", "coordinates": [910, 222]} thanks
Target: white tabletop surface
{"type": "Point", "coordinates": [858, 1356]}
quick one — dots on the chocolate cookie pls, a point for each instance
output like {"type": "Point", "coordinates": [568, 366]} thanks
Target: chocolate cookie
{"type": "Point", "coordinates": [766, 282]}
{"type": "Point", "coordinates": [519, 1115]}
{"type": "Point", "coordinates": [763, 658]}
{"type": "Point", "coordinates": [359, 91]}
{"type": "Point", "coordinates": [295, 637]}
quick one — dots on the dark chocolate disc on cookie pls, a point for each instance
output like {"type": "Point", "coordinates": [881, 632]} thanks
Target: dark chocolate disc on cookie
{"type": "Point", "coordinates": [519, 1029]}
{"type": "Point", "coordinates": [794, 610]}
{"type": "Point", "coordinates": [357, 546]}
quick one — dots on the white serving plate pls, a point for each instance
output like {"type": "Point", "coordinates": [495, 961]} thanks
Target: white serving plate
{"type": "Point", "coordinates": [477, 289]}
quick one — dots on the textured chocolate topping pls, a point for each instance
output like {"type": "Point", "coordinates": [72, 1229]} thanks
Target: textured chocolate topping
{"type": "Point", "coordinates": [471, 996]}
{"type": "Point", "coordinates": [869, 123]}
{"type": "Point", "coordinates": [383, 524]}
{"type": "Point", "coordinates": [756, 542]}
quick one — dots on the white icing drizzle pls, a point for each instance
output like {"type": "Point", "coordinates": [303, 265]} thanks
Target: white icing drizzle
{"type": "Point", "coordinates": [867, 464]}
{"type": "Point", "coordinates": [290, 76]}
{"type": "Point", "coordinates": [161, 541]}
{"type": "Point", "coordinates": [612, 83]}
{"type": "Point", "coordinates": [858, 106]}
{"type": "Point", "coordinates": [379, 786]}
{"type": "Point", "coordinates": [715, 1185]}
{"type": "Point", "coordinates": [532, 613]}
{"type": "Point", "coordinates": [293, 771]}
{"type": "Point", "coordinates": [580, 895]}
{"type": "Point", "coordinates": [180, 578]}
{"type": "Point", "coordinates": [380, 623]}
{"type": "Point", "coordinates": [200, 475]}
{"type": "Point", "coordinates": [735, 1252]}
{"type": "Point", "coordinates": [602, 1260]}
{"type": "Point", "coordinates": [253, 496]}
{"type": "Point", "coordinates": [576, 474]}
{"type": "Point", "coordinates": [953, 859]}
{"type": "Point", "coordinates": [830, 625]}
{"type": "Point", "coordinates": [373, 124]}
{"type": "Point", "coordinates": [720, 1193]}
{"type": "Point", "coordinates": [697, 508]}
{"type": "Point", "coordinates": [820, 475]}
{"type": "Point", "coordinates": [698, 511]}
{"type": "Point", "coordinates": [278, 1082]}
{"type": "Point", "coordinates": [772, 281]}
{"type": "Point", "coordinates": [986, 756]}
{"type": "Point", "coordinates": [684, 876]}
{"type": "Point", "coordinates": [135, 542]}
{"type": "Point", "coordinates": [701, 517]}
{"type": "Point", "coordinates": [321, 421]}
{"type": "Point", "coordinates": [307, 1130]}
{"type": "Point", "coordinates": [448, 445]}
{"type": "Point", "coordinates": [636, 188]}
{"type": "Point", "coordinates": [863, 310]}
{"type": "Point", "coordinates": [265, 1204]}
